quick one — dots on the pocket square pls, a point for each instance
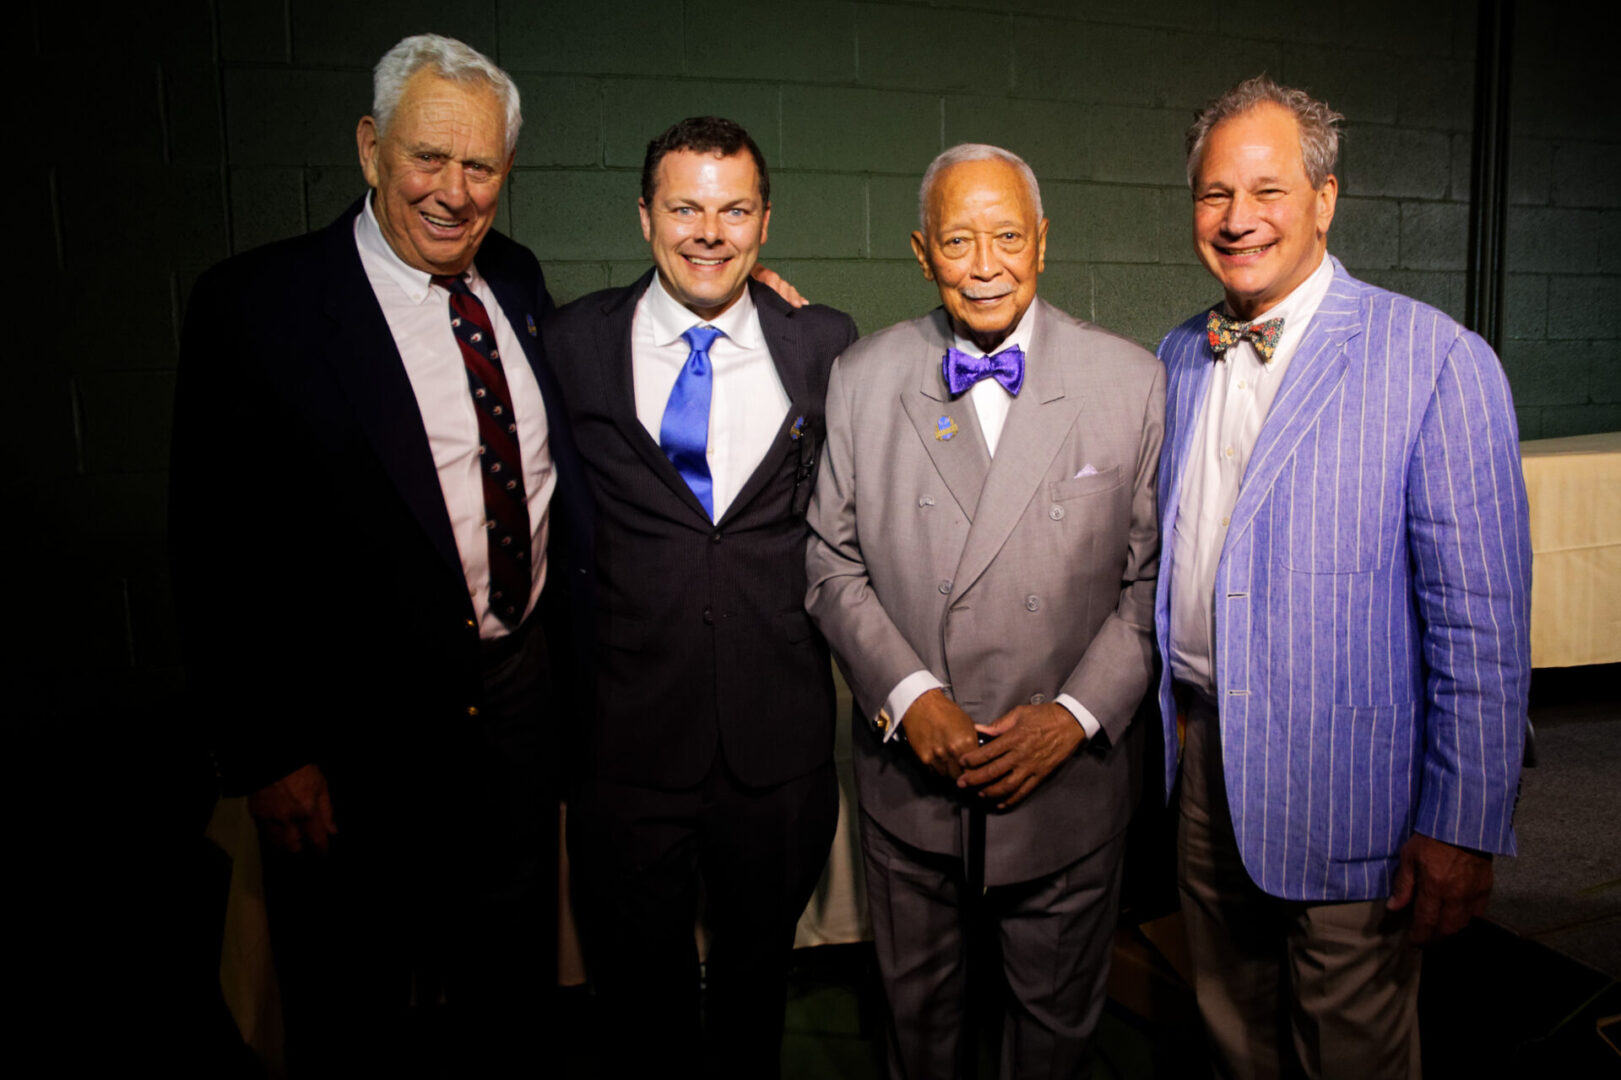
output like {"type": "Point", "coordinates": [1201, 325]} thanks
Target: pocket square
{"type": "Point", "coordinates": [1086, 470]}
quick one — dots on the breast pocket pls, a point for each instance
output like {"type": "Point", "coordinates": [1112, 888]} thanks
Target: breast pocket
{"type": "Point", "coordinates": [1077, 487]}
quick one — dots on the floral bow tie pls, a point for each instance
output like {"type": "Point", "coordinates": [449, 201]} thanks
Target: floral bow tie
{"type": "Point", "coordinates": [1226, 332]}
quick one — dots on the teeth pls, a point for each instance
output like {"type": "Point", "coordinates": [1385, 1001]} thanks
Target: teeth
{"type": "Point", "coordinates": [445, 223]}
{"type": "Point", "coordinates": [1248, 251]}
{"type": "Point", "coordinates": [704, 262]}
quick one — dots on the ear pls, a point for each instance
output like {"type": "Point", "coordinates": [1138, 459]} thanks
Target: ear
{"type": "Point", "coordinates": [1327, 195]}
{"type": "Point", "coordinates": [1041, 246]}
{"type": "Point", "coordinates": [647, 220]}
{"type": "Point", "coordinates": [367, 143]}
{"type": "Point", "coordinates": [921, 250]}
{"type": "Point", "coordinates": [765, 223]}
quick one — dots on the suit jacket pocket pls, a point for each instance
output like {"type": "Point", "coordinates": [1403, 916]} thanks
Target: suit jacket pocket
{"type": "Point", "coordinates": [619, 632]}
{"type": "Point", "coordinates": [1077, 487]}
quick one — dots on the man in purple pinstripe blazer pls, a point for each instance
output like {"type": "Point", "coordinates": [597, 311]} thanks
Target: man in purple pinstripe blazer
{"type": "Point", "coordinates": [1343, 612]}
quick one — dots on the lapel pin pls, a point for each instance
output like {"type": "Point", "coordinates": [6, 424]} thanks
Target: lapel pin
{"type": "Point", "coordinates": [530, 319]}
{"type": "Point", "coordinates": [798, 429]}
{"type": "Point", "coordinates": [948, 428]}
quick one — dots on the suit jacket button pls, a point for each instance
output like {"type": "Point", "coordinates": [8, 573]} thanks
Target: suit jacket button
{"type": "Point", "coordinates": [709, 617]}
{"type": "Point", "coordinates": [1037, 699]}
{"type": "Point", "coordinates": [925, 500]}
{"type": "Point", "coordinates": [1056, 513]}
{"type": "Point", "coordinates": [1032, 602]}
{"type": "Point", "coordinates": [715, 536]}
{"type": "Point", "coordinates": [945, 588]}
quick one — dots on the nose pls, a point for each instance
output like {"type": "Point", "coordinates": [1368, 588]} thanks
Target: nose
{"type": "Point", "coordinates": [985, 265]}
{"type": "Point", "coordinates": [711, 228]}
{"type": "Point", "coordinates": [1240, 216]}
{"type": "Point", "coordinates": [452, 190]}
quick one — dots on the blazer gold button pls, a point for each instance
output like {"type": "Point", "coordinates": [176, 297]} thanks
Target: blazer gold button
{"type": "Point", "coordinates": [470, 624]}
{"type": "Point", "coordinates": [945, 588]}
{"type": "Point", "coordinates": [1056, 513]}
{"type": "Point", "coordinates": [472, 710]}
{"type": "Point", "coordinates": [1031, 603]}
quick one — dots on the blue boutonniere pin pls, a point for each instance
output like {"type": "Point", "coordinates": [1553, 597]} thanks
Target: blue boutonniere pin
{"type": "Point", "coordinates": [798, 429]}
{"type": "Point", "coordinates": [948, 428]}
{"type": "Point", "coordinates": [530, 319]}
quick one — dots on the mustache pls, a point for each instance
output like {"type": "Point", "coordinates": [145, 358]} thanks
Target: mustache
{"type": "Point", "coordinates": [986, 292]}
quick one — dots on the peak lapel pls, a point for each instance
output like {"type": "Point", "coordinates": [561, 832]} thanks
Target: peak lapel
{"type": "Point", "coordinates": [1318, 367]}
{"type": "Point", "coordinates": [962, 459]}
{"type": "Point", "coordinates": [1038, 422]}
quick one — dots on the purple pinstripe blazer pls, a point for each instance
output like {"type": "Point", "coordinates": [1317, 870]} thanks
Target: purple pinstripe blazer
{"type": "Point", "coordinates": [1372, 599]}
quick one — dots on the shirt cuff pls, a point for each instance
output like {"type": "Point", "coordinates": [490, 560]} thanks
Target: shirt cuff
{"type": "Point", "coordinates": [900, 699]}
{"type": "Point", "coordinates": [1089, 723]}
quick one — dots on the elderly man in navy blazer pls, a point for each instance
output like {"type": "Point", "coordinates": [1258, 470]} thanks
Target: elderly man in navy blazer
{"type": "Point", "coordinates": [378, 523]}
{"type": "Point", "coordinates": [1343, 610]}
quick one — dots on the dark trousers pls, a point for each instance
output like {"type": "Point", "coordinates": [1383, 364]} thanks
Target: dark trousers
{"type": "Point", "coordinates": [424, 943]}
{"type": "Point", "coordinates": [641, 858]}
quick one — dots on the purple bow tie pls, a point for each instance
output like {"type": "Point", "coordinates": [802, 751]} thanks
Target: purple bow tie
{"type": "Point", "coordinates": [963, 370]}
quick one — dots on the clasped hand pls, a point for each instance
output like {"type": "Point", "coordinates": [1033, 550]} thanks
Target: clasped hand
{"type": "Point", "coordinates": [1026, 745]}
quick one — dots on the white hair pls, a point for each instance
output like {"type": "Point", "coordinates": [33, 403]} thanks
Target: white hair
{"type": "Point", "coordinates": [972, 152]}
{"type": "Point", "coordinates": [449, 59]}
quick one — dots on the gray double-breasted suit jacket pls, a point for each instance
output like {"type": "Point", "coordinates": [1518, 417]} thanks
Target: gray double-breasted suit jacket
{"type": "Point", "coordinates": [1011, 579]}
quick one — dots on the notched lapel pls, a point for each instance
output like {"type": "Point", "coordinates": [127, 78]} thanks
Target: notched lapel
{"type": "Point", "coordinates": [782, 341]}
{"type": "Point", "coordinates": [367, 365]}
{"type": "Point", "coordinates": [1318, 368]}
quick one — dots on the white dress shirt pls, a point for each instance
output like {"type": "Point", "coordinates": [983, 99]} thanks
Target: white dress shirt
{"type": "Point", "coordinates": [747, 404]}
{"type": "Point", "coordinates": [991, 404]}
{"type": "Point", "coordinates": [1235, 406]}
{"type": "Point", "coordinates": [418, 315]}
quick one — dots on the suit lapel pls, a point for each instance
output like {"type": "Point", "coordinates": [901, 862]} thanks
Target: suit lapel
{"type": "Point", "coordinates": [1318, 367]}
{"type": "Point", "coordinates": [367, 365]}
{"type": "Point", "coordinates": [787, 351]}
{"type": "Point", "coordinates": [960, 456]}
{"type": "Point", "coordinates": [617, 372]}
{"type": "Point", "coordinates": [1038, 422]}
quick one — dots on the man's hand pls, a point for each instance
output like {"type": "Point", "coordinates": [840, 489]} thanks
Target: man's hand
{"type": "Point", "coordinates": [939, 732]}
{"type": "Point", "coordinates": [774, 281]}
{"type": "Point", "coordinates": [295, 810]}
{"type": "Point", "coordinates": [1026, 746]}
{"type": "Point", "coordinates": [1446, 885]}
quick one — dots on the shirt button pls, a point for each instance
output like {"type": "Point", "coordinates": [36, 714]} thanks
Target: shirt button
{"type": "Point", "coordinates": [1032, 602]}
{"type": "Point", "coordinates": [1224, 521]}
{"type": "Point", "coordinates": [1241, 384]}
{"type": "Point", "coordinates": [1056, 513]}
{"type": "Point", "coordinates": [1228, 451]}
{"type": "Point", "coordinates": [945, 588]}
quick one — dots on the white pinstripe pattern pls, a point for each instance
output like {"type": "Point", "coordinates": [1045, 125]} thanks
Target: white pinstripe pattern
{"type": "Point", "coordinates": [1381, 532]}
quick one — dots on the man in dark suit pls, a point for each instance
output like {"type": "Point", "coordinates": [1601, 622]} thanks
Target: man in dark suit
{"type": "Point", "coordinates": [377, 518]}
{"type": "Point", "coordinates": [696, 399]}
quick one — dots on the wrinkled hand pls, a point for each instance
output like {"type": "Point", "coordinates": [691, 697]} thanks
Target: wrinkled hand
{"type": "Point", "coordinates": [1026, 745]}
{"type": "Point", "coordinates": [774, 281]}
{"type": "Point", "coordinates": [295, 810]}
{"type": "Point", "coordinates": [1446, 885]}
{"type": "Point", "coordinates": [939, 733]}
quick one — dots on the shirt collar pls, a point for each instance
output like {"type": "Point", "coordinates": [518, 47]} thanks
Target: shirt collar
{"type": "Point", "coordinates": [1020, 336]}
{"type": "Point", "coordinates": [416, 284]}
{"type": "Point", "coordinates": [669, 318]}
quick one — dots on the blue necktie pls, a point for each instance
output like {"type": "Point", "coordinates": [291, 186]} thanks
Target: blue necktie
{"type": "Point", "coordinates": [684, 431]}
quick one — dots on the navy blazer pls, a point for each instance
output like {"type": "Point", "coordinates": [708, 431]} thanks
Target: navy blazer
{"type": "Point", "coordinates": [325, 614]}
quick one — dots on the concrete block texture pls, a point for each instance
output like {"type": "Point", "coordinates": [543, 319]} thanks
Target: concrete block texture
{"type": "Point", "coordinates": [354, 33]}
{"type": "Point", "coordinates": [1394, 161]}
{"type": "Point", "coordinates": [1552, 240]}
{"type": "Point", "coordinates": [935, 48]}
{"type": "Point", "coordinates": [1584, 307]}
{"type": "Point", "coordinates": [1192, 68]}
{"type": "Point", "coordinates": [817, 216]}
{"type": "Point", "coordinates": [859, 130]}
{"type": "Point", "coordinates": [1059, 58]}
{"type": "Point", "coordinates": [562, 120]}
{"type": "Point", "coordinates": [1055, 137]}
{"type": "Point", "coordinates": [1544, 373]}
{"type": "Point", "coordinates": [636, 111]}
{"type": "Point", "coordinates": [266, 204]}
{"type": "Point", "coordinates": [1366, 233]}
{"type": "Point", "coordinates": [601, 221]}
{"type": "Point", "coordinates": [1587, 174]}
{"type": "Point", "coordinates": [294, 116]}
{"type": "Point", "coordinates": [1363, 84]}
{"type": "Point", "coordinates": [811, 41]}
{"type": "Point", "coordinates": [1145, 302]}
{"type": "Point", "coordinates": [607, 37]}
{"type": "Point", "coordinates": [1434, 236]}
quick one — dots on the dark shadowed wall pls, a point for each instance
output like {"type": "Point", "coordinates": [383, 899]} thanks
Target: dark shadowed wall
{"type": "Point", "coordinates": [173, 135]}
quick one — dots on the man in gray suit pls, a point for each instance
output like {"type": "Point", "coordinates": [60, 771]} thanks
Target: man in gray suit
{"type": "Point", "coordinates": [982, 560]}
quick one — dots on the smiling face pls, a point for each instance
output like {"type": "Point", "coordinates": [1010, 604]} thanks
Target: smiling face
{"type": "Point", "coordinates": [705, 224]}
{"type": "Point", "coordinates": [437, 171]}
{"type": "Point", "coordinates": [1258, 224]}
{"type": "Point", "coordinates": [984, 248]}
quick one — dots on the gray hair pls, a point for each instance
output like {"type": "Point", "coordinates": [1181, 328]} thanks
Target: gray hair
{"type": "Point", "coordinates": [964, 152]}
{"type": "Point", "coordinates": [1319, 135]}
{"type": "Point", "coordinates": [449, 59]}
